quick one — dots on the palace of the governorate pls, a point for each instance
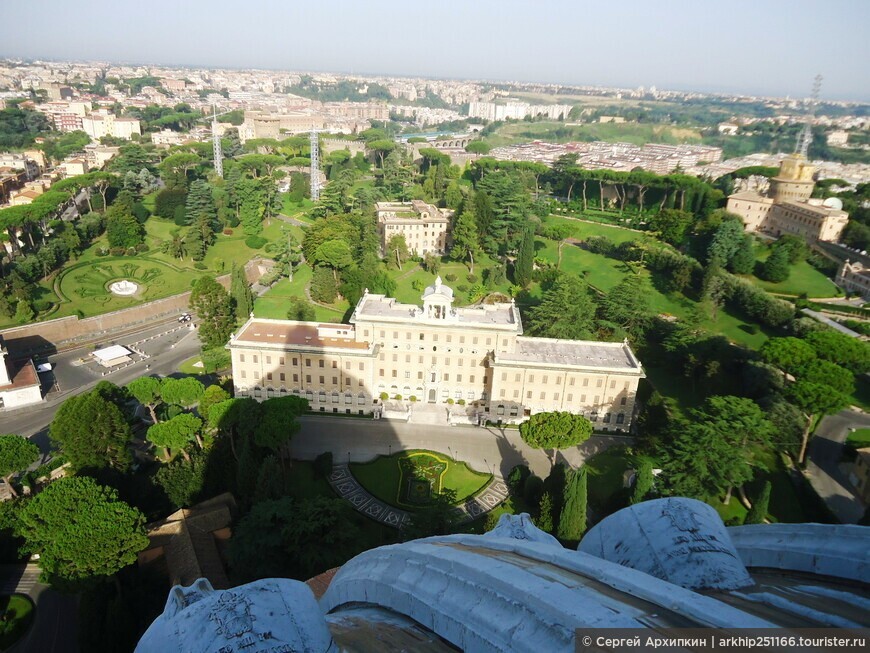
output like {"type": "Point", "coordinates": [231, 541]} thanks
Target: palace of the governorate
{"type": "Point", "coordinates": [436, 353]}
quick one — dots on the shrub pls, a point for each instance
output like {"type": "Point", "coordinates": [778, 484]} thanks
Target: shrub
{"type": "Point", "coordinates": [141, 247]}
{"type": "Point", "coordinates": [450, 277]}
{"type": "Point", "coordinates": [199, 265]}
{"type": "Point", "coordinates": [471, 278]}
{"type": "Point", "coordinates": [117, 251]}
{"type": "Point", "coordinates": [130, 251]}
{"type": "Point", "coordinates": [41, 305]}
{"type": "Point", "coordinates": [398, 397]}
{"type": "Point", "coordinates": [517, 478]}
{"type": "Point", "coordinates": [255, 242]}
{"type": "Point", "coordinates": [384, 396]}
{"type": "Point", "coordinates": [462, 287]}
{"type": "Point", "coordinates": [533, 489]}
{"type": "Point", "coordinates": [233, 221]}
{"type": "Point", "coordinates": [461, 402]}
{"type": "Point", "coordinates": [323, 465]}
{"type": "Point", "coordinates": [412, 398]}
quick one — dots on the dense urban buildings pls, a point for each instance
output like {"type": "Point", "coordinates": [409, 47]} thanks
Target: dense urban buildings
{"type": "Point", "coordinates": [436, 353]}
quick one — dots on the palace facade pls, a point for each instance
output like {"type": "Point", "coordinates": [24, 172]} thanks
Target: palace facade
{"type": "Point", "coordinates": [436, 354]}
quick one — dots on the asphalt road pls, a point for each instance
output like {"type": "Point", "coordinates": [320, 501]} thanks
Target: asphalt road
{"type": "Point", "coordinates": [485, 449]}
{"type": "Point", "coordinates": [824, 468]}
{"type": "Point", "coordinates": [165, 351]}
{"type": "Point", "coordinates": [56, 627]}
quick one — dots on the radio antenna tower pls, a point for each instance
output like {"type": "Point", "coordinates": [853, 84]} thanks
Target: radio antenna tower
{"type": "Point", "coordinates": [802, 146]}
{"type": "Point", "coordinates": [216, 144]}
{"type": "Point", "coordinates": [315, 166]}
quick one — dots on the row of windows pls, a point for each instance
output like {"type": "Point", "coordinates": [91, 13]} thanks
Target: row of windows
{"type": "Point", "coordinates": [243, 374]}
{"type": "Point", "coordinates": [295, 361]}
{"type": "Point", "coordinates": [569, 397]}
{"type": "Point", "coordinates": [518, 377]}
{"type": "Point", "coordinates": [446, 361]}
{"type": "Point", "coordinates": [422, 336]}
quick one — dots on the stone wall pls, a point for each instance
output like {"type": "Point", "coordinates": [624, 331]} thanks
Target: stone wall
{"type": "Point", "coordinates": [72, 330]}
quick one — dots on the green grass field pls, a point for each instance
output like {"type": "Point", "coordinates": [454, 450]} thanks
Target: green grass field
{"type": "Point", "coordinates": [559, 132]}
{"type": "Point", "coordinates": [859, 438]}
{"type": "Point", "coordinates": [804, 279]}
{"type": "Point", "coordinates": [17, 613]}
{"type": "Point", "coordinates": [382, 476]}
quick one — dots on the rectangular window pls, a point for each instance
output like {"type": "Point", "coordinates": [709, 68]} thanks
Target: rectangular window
{"type": "Point", "coordinates": [408, 358]}
{"type": "Point", "coordinates": [504, 376]}
{"type": "Point", "coordinates": [570, 397]}
{"type": "Point", "coordinates": [531, 378]}
{"type": "Point", "coordinates": [555, 396]}
{"type": "Point", "coordinates": [459, 378]}
{"type": "Point", "coordinates": [461, 340]}
{"type": "Point", "coordinates": [321, 380]}
{"type": "Point", "coordinates": [281, 360]}
{"type": "Point", "coordinates": [320, 363]}
{"type": "Point", "coordinates": [395, 358]}
{"type": "Point", "coordinates": [361, 367]}
{"type": "Point", "coordinates": [582, 399]}
{"type": "Point", "coordinates": [419, 375]}
{"type": "Point", "coordinates": [281, 376]}
{"type": "Point", "coordinates": [449, 338]}
{"type": "Point", "coordinates": [394, 373]}
{"type": "Point", "coordinates": [268, 360]}
{"type": "Point", "coordinates": [543, 396]}
{"type": "Point", "coordinates": [407, 335]}
{"type": "Point", "coordinates": [545, 379]}
{"type": "Point", "coordinates": [471, 380]}
{"type": "Point", "coordinates": [516, 394]}
{"type": "Point", "coordinates": [307, 362]}
{"type": "Point", "coordinates": [244, 374]}
{"type": "Point", "coordinates": [256, 360]}
{"type": "Point", "coordinates": [256, 375]}
{"type": "Point", "coordinates": [501, 393]}
{"type": "Point", "coordinates": [558, 380]}
{"type": "Point", "coordinates": [585, 383]}
{"type": "Point", "coordinates": [435, 338]}
{"type": "Point", "coordinates": [334, 364]}
{"type": "Point", "coordinates": [268, 376]}
{"type": "Point", "coordinates": [381, 372]}
{"type": "Point", "coordinates": [241, 358]}
{"type": "Point", "coordinates": [294, 361]}
{"type": "Point", "coordinates": [382, 334]}
{"type": "Point", "coordinates": [529, 394]}
{"type": "Point", "coordinates": [612, 385]}
{"type": "Point", "coordinates": [347, 365]}
{"type": "Point", "coordinates": [446, 377]}
{"type": "Point", "coordinates": [622, 401]}
{"type": "Point", "coordinates": [517, 377]}
{"type": "Point", "coordinates": [395, 335]}
{"type": "Point", "coordinates": [407, 375]}
{"type": "Point", "coordinates": [335, 380]}
{"type": "Point", "coordinates": [600, 383]}
{"type": "Point", "coordinates": [571, 381]}
{"type": "Point", "coordinates": [488, 341]}
{"type": "Point", "coordinates": [474, 340]}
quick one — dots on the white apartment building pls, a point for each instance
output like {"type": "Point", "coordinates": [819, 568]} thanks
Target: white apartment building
{"type": "Point", "coordinates": [435, 354]}
{"type": "Point", "coordinates": [102, 123]}
{"type": "Point", "coordinates": [424, 226]}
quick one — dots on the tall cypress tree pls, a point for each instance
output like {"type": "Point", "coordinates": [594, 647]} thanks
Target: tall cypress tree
{"type": "Point", "coordinates": [270, 480]}
{"type": "Point", "coordinates": [758, 511]}
{"type": "Point", "coordinates": [545, 513]}
{"type": "Point", "coordinates": [643, 482]}
{"type": "Point", "coordinates": [572, 523]}
{"type": "Point", "coordinates": [240, 291]}
{"type": "Point", "coordinates": [525, 262]}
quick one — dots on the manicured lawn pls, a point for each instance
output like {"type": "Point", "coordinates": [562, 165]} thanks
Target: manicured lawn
{"type": "Point", "coordinates": [189, 366]}
{"type": "Point", "coordinates": [804, 278]}
{"type": "Point", "coordinates": [605, 480]}
{"type": "Point", "coordinates": [17, 615]}
{"type": "Point", "coordinates": [382, 477]}
{"type": "Point", "coordinates": [859, 438]}
{"type": "Point", "coordinates": [273, 304]}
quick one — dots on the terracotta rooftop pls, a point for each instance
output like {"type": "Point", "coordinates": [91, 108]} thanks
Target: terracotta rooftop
{"type": "Point", "coordinates": [319, 584]}
{"type": "Point", "coordinates": [300, 333]}
{"type": "Point", "coordinates": [22, 373]}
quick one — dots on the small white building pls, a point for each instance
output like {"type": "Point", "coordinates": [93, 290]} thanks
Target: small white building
{"type": "Point", "coordinates": [19, 382]}
{"type": "Point", "coordinates": [112, 356]}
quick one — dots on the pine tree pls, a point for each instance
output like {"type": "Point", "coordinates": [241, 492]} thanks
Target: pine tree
{"type": "Point", "coordinates": [572, 523]}
{"type": "Point", "coordinates": [643, 482]}
{"type": "Point", "coordinates": [201, 203]}
{"type": "Point", "coordinates": [758, 512]}
{"type": "Point", "coordinates": [545, 513]}
{"type": "Point", "coordinates": [465, 239]}
{"type": "Point", "coordinates": [243, 298]}
{"type": "Point", "coordinates": [776, 268]}
{"type": "Point", "coordinates": [525, 262]}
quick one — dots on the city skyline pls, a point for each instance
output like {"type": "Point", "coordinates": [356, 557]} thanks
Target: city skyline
{"type": "Point", "coordinates": [518, 42]}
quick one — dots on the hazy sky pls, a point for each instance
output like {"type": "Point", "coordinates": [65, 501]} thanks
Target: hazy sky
{"type": "Point", "coordinates": [771, 47]}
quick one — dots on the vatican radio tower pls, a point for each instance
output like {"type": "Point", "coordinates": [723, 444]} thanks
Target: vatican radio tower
{"type": "Point", "coordinates": [216, 144]}
{"type": "Point", "coordinates": [315, 167]}
{"type": "Point", "coordinates": [802, 146]}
